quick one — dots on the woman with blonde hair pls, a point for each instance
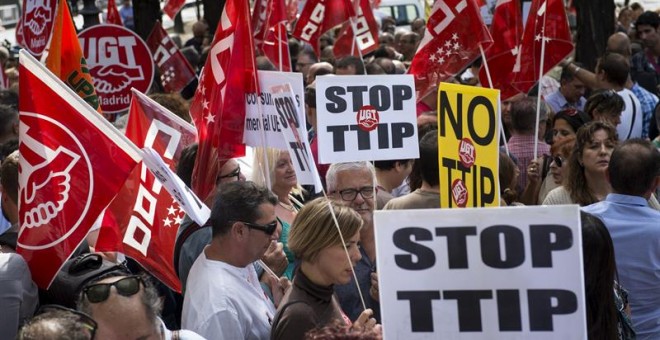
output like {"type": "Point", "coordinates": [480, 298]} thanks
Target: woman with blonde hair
{"type": "Point", "coordinates": [327, 254]}
{"type": "Point", "coordinates": [277, 166]}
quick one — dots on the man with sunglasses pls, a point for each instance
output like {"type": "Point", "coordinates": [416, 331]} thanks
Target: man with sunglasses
{"type": "Point", "coordinates": [352, 184]}
{"type": "Point", "coordinates": [223, 298]}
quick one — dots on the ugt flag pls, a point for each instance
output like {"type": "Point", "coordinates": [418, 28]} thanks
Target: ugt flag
{"type": "Point", "coordinates": [175, 70]}
{"type": "Point", "coordinates": [318, 17]}
{"type": "Point", "coordinates": [73, 163]}
{"type": "Point", "coordinates": [142, 221]}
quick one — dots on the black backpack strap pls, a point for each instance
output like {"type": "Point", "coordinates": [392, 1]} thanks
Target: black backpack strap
{"type": "Point", "coordinates": [193, 228]}
{"type": "Point", "coordinates": [634, 116]}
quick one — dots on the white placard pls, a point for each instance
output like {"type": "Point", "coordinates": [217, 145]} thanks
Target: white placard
{"type": "Point", "coordinates": [298, 146]}
{"type": "Point", "coordinates": [187, 200]}
{"type": "Point", "coordinates": [481, 273]}
{"type": "Point", "coordinates": [362, 118]}
{"type": "Point", "coordinates": [268, 118]}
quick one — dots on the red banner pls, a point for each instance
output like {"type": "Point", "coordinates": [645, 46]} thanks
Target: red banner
{"type": "Point", "coordinates": [319, 16]}
{"type": "Point", "coordinates": [73, 163]}
{"type": "Point", "coordinates": [113, 16]}
{"type": "Point", "coordinates": [367, 34]}
{"type": "Point", "coordinates": [546, 24]}
{"type": "Point", "coordinates": [451, 42]}
{"type": "Point", "coordinates": [172, 7]}
{"type": "Point", "coordinates": [37, 24]}
{"type": "Point", "coordinates": [175, 71]}
{"type": "Point", "coordinates": [143, 219]}
{"type": "Point", "coordinates": [218, 107]}
{"type": "Point", "coordinates": [276, 42]}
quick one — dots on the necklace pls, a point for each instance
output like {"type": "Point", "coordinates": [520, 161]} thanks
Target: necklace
{"type": "Point", "coordinates": [286, 206]}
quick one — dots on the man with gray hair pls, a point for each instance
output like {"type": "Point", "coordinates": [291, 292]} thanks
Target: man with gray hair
{"type": "Point", "coordinates": [352, 184]}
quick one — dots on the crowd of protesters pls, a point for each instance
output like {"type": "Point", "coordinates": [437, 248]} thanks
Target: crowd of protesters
{"type": "Point", "coordinates": [270, 262]}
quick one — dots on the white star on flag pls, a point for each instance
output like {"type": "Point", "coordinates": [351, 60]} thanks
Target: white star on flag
{"type": "Point", "coordinates": [457, 46]}
{"type": "Point", "coordinates": [432, 58]}
{"type": "Point", "coordinates": [440, 51]}
{"type": "Point", "coordinates": [167, 222]}
{"type": "Point", "coordinates": [171, 210]}
{"type": "Point", "coordinates": [442, 60]}
{"type": "Point", "coordinates": [209, 118]}
{"type": "Point", "coordinates": [205, 104]}
{"type": "Point", "coordinates": [178, 219]}
{"type": "Point", "coordinates": [447, 43]}
{"type": "Point", "coordinates": [454, 36]}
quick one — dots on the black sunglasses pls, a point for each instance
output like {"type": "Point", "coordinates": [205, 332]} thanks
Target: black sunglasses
{"type": "Point", "coordinates": [559, 161]}
{"type": "Point", "coordinates": [81, 317]}
{"type": "Point", "coordinates": [236, 173]}
{"type": "Point", "coordinates": [99, 292]}
{"type": "Point", "coordinates": [269, 228]}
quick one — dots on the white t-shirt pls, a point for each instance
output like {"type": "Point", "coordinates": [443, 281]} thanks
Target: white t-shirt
{"type": "Point", "coordinates": [226, 302]}
{"type": "Point", "coordinates": [631, 117]}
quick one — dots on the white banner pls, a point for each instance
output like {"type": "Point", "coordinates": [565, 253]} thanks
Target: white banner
{"type": "Point", "coordinates": [362, 118]}
{"type": "Point", "coordinates": [187, 200]}
{"type": "Point", "coordinates": [481, 273]}
{"type": "Point", "coordinates": [298, 146]}
{"type": "Point", "coordinates": [268, 118]}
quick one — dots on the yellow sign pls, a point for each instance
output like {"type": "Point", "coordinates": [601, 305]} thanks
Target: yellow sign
{"type": "Point", "coordinates": [468, 146]}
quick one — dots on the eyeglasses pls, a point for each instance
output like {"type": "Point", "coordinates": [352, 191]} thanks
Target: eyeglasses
{"type": "Point", "coordinates": [99, 292]}
{"type": "Point", "coordinates": [268, 229]}
{"type": "Point", "coordinates": [236, 173]}
{"type": "Point", "coordinates": [559, 161]}
{"type": "Point", "coordinates": [351, 194]}
{"type": "Point", "coordinates": [81, 318]}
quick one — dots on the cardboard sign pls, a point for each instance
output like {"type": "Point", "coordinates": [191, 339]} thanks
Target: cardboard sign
{"type": "Point", "coordinates": [468, 146]}
{"type": "Point", "coordinates": [297, 144]}
{"type": "Point", "coordinates": [362, 118]}
{"type": "Point", "coordinates": [118, 59]}
{"type": "Point", "coordinates": [504, 273]}
{"type": "Point", "coordinates": [272, 136]}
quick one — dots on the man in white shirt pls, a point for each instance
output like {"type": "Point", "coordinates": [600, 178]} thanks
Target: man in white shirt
{"type": "Point", "coordinates": [224, 299]}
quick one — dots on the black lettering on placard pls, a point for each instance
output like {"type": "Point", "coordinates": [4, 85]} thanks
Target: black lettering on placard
{"type": "Point", "coordinates": [404, 239]}
{"type": "Point", "coordinates": [379, 97]}
{"type": "Point", "coordinates": [399, 132]}
{"type": "Point", "coordinates": [301, 155]}
{"type": "Point", "coordinates": [480, 176]}
{"type": "Point", "coordinates": [286, 112]}
{"type": "Point", "coordinates": [337, 104]}
{"type": "Point", "coordinates": [455, 118]}
{"type": "Point", "coordinates": [469, 307]}
{"type": "Point", "coordinates": [356, 92]}
{"type": "Point", "coordinates": [490, 134]}
{"type": "Point", "coordinates": [338, 131]}
{"type": "Point", "coordinates": [383, 136]}
{"type": "Point", "coordinates": [508, 310]}
{"type": "Point", "coordinates": [544, 303]}
{"type": "Point", "coordinates": [457, 244]}
{"type": "Point", "coordinates": [486, 197]}
{"type": "Point", "coordinates": [541, 237]}
{"type": "Point", "coordinates": [421, 309]}
{"type": "Point", "coordinates": [364, 142]}
{"type": "Point", "coordinates": [401, 93]}
{"type": "Point", "coordinates": [514, 246]}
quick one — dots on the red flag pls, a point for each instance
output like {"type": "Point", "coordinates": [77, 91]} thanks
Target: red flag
{"type": "Point", "coordinates": [144, 218]}
{"type": "Point", "coordinates": [451, 42]}
{"type": "Point", "coordinates": [73, 163]}
{"type": "Point", "coordinates": [367, 37]}
{"type": "Point", "coordinates": [37, 24]}
{"type": "Point", "coordinates": [546, 22]}
{"type": "Point", "coordinates": [172, 7]}
{"type": "Point", "coordinates": [20, 38]}
{"type": "Point", "coordinates": [175, 71]}
{"type": "Point", "coordinates": [218, 107]}
{"type": "Point", "coordinates": [291, 10]}
{"type": "Point", "coordinates": [319, 16]}
{"type": "Point", "coordinates": [507, 33]}
{"type": "Point", "coordinates": [260, 14]}
{"type": "Point", "coordinates": [276, 42]}
{"type": "Point", "coordinates": [113, 16]}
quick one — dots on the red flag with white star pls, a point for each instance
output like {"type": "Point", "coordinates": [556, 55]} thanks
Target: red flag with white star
{"type": "Point", "coordinates": [218, 107]}
{"type": "Point", "coordinates": [451, 42]}
{"type": "Point", "coordinates": [367, 37]}
{"type": "Point", "coordinates": [547, 22]}
{"type": "Point", "coordinates": [175, 70]}
{"type": "Point", "coordinates": [506, 30]}
{"type": "Point", "coordinates": [142, 221]}
{"type": "Point", "coordinates": [318, 17]}
{"type": "Point", "coordinates": [276, 43]}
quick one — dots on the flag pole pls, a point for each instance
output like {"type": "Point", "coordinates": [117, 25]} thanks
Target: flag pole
{"type": "Point", "coordinates": [538, 97]}
{"type": "Point", "coordinates": [499, 106]}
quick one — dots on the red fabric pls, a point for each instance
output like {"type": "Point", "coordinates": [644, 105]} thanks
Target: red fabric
{"type": "Point", "coordinates": [291, 10]}
{"type": "Point", "coordinates": [453, 34]}
{"type": "Point", "coordinates": [142, 221]}
{"type": "Point", "coordinates": [546, 21]}
{"type": "Point", "coordinates": [175, 71]}
{"type": "Point", "coordinates": [501, 57]}
{"type": "Point", "coordinates": [20, 38]}
{"type": "Point", "coordinates": [258, 22]}
{"type": "Point", "coordinates": [113, 16]}
{"type": "Point", "coordinates": [172, 7]}
{"type": "Point", "coordinates": [367, 38]}
{"type": "Point", "coordinates": [319, 16]}
{"type": "Point", "coordinates": [218, 107]}
{"type": "Point", "coordinates": [276, 42]}
{"type": "Point", "coordinates": [72, 163]}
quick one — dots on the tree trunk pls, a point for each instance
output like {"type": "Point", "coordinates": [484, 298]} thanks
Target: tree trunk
{"type": "Point", "coordinates": [595, 23]}
{"type": "Point", "coordinates": [146, 14]}
{"type": "Point", "coordinates": [212, 11]}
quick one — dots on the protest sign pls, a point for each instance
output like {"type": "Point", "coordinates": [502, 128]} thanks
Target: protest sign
{"type": "Point", "coordinates": [468, 146]}
{"type": "Point", "coordinates": [118, 59]}
{"type": "Point", "coordinates": [37, 24]}
{"type": "Point", "coordinates": [361, 118]}
{"type": "Point", "coordinates": [262, 108]}
{"type": "Point", "coordinates": [480, 273]}
{"type": "Point", "coordinates": [296, 143]}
